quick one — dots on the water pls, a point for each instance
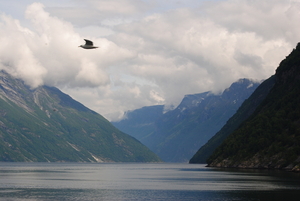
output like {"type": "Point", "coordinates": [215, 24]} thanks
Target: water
{"type": "Point", "coordinates": [140, 181]}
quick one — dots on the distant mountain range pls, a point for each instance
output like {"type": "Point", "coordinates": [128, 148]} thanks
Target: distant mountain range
{"type": "Point", "coordinates": [176, 135]}
{"type": "Point", "coordinates": [47, 125]}
{"type": "Point", "coordinates": [265, 132]}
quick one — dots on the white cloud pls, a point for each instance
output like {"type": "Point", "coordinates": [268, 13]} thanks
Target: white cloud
{"type": "Point", "coordinates": [270, 19]}
{"type": "Point", "coordinates": [156, 96]}
{"type": "Point", "coordinates": [184, 49]}
{"type": "Point", "coordinates": [90, 75]}
{"type": "Point", "coordinates": [16, 55]}
{"type": "Point", "coordinates": [49, 53]}
{"type": "Point", "coordinates": [124, 7]}
{"type": "Point", "coordinates": [150, 52]}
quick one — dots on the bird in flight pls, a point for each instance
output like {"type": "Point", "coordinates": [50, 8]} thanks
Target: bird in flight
{"type": "Point", "coordinates": [88, 45]}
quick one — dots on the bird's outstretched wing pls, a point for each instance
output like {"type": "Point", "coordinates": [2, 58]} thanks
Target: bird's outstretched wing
{"type": "Point", "coordinates": [88, 42]}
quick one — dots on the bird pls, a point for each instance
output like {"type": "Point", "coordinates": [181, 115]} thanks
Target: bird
{"type": "Point", "coordinates": [88, 45]}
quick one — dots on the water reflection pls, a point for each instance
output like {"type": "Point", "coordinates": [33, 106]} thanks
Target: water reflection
{"type": "Point", "coordinates": [137, 181]}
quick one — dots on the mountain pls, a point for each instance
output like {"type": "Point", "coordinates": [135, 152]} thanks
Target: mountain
{"type": "Point", "coordinates": [246, 109]}
{"type": "Point", "coordinates": [44, 124]}
{"type": "Point", "coordinates": [140, 123]}
{"type": "Point", "coordinates": [177, 134]}
{"type": "Point", "coordinates": [270, 137]}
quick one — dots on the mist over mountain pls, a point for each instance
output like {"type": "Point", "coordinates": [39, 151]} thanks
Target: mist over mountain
{"type": "Point", "coordinates": [44, 124]}
{"type": "Point", "coordinates": [140, 123]}
{"type": "Point", "coordinates": [176, 135]}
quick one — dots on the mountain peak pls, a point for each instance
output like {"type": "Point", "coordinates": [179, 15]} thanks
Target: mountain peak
{"type": "Point", "coordinates": [177, 134]}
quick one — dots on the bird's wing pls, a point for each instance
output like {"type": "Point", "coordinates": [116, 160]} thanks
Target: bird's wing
{"type": "Point", "coordinates": [88, 42]}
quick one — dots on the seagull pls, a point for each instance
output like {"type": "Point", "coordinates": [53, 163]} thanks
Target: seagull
{"type": "Point", "coordinates": [88, 45]}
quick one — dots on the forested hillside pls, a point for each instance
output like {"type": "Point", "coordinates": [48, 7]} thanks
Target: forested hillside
{"type": "Point", "coordinates": [246, 109]}
{"type": "Point", "coordinates": [270, 137]}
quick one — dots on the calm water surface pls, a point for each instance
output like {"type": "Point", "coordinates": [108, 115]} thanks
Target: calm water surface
{"type": "Point", "coordinates": [139, 181]}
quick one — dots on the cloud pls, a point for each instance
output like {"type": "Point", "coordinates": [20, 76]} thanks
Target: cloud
{"type": "Point", "coordinates": [185, 49]}
{"type": "Point", "coordinates": [150, 52]}
{"type": "Point", "coordinates": [270, 19]}
{"type": "Point", "coordinates": [104, 13]}
{"type": "Point", "coordinates": [125, 7]}
{"type": "Point", "coordinates": [49, 53]}
{"type": "Point", "coordinates": [16, 55]}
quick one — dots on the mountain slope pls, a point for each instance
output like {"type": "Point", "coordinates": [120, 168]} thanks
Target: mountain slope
{"type": "Point", "coordinates": [140, 123]}
{"type": "Point", "coordinates": [45, 124]}
{"type": "Point", "coordinates": [179, 133]}
{"type": "Point", "coordinates": [270, 137]}
{"type": "Point", "coordinates": [246, 109]}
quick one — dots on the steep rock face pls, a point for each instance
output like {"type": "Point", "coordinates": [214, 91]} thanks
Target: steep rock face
{"type": "Point", "coordinates": [270, 137]}
{"type": "Point", "coordinates": [176, 135]}
{"type": "Point", "coordinates": [45, 124]}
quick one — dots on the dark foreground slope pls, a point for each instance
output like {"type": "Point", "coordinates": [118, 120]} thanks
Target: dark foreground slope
{"type": "Point", "coordinates": [246, 109]}
{"type": "Point", "coordinates": [47, 125]}
{"type": "Point", "coordinates": [270, 137]}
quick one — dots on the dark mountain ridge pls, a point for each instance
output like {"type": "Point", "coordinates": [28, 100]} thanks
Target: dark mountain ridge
{"type": "Point", "coordinates": [46, 125]}
{"type": "Point", "coordinates": [270, 137]}
{"type": "Point", "coordinates": [246, 109]}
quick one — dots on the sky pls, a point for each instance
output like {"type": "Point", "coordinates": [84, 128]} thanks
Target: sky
{"type": "Point", "coordinates": [151, 52]}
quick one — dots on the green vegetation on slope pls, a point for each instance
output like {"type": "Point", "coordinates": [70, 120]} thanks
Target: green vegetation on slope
{"type": "Point", "coordinates": [246, 109]}
{"type": "Point", "coordinates": [46, 125]}
{"type": "Point", "coordinates": [270, 138]}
